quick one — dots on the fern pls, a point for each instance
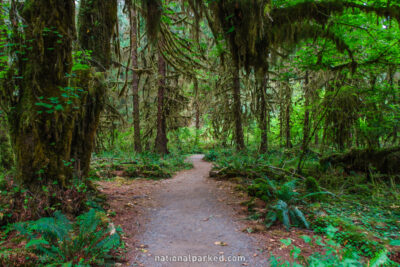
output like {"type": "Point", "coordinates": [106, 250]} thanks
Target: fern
{"type": "Point", "coordinates": [59, 242]}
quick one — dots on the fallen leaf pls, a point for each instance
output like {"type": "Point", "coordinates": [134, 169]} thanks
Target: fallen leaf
{"type": "Point", "coordinates": [220, 243]}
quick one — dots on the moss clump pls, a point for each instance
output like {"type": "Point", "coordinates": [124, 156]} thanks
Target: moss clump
{"type": "Point", "coordinates": [360, 189]}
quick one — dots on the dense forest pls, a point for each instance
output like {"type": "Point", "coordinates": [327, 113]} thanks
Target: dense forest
{"type": "Point", "coordinates": [295, 104]}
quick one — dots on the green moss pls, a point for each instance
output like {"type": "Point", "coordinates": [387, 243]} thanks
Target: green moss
{"type": "Point", "coordinates": [360, 189]}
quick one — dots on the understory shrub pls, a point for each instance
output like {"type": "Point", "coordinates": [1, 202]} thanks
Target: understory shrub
{"type": "Point", "coordinates": [284, 200]}
{"type": "Point", "coordinates": [330, 254]}
{"type": "Point", "coordinates": [58, 241]}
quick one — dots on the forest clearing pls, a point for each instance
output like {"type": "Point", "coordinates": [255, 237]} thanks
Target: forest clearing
{"type": "Point", "coordinates": [200, 133]}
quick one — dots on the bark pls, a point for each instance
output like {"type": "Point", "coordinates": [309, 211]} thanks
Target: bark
{"type": "Point", "coordinates": [306, 125]}
{"type": "Point", "coordinates": [263, 121]}
{"type": "Point", "coordinates": [288, 106]}
{"type": "Point", "coordinates": [135, 83]}
{"type": "Point", "coordinates": [97, 20]}
{"type": "Point", "coordinates": [40, 129]}
{"type": "Point", "coordinates": [197, 109]}
{"type": "Point", "coordinates": [161, 138]}
{"type": "Point", "coordinates": [237, 107]}
{"type": "Point", "coordinates": [6, 156]}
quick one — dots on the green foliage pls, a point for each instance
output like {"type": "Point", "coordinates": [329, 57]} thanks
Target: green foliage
{"type": "Point", "coordinates": [330, 253]}
{"type": "Point", "coordinates": [57, 241]}
{"type": "Point", "coordinates": [146, 164]}
{"type": "Point", "coordinates": [284, 201]}
{"type": "Point", "coordinates": [351, 235]}
{"type": "Point", "coordinates": [312, 186]}
{"type": "Point", "coordinates": [285, 207]}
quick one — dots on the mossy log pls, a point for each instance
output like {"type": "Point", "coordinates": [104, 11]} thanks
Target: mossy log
{"type": "Point", "coordinates": [382, 160]}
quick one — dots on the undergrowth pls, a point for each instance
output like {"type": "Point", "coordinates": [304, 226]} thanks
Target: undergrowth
{"type": "Point", "coordinates": [363, 207]}
{"type": "Point", "coordinates": [56, 241]}
{"type": "Point", "coordinates": [133, 165]}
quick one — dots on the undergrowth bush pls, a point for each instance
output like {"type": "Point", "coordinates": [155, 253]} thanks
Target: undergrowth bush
{"type": "Point", "coordinates": [150, 165]}
{"type": "Point", "coordinates": [350, 234]}
{"type": "Point", "coordinates": [330, 254]}
{"type": "Point", "coordinates": [57, 241]}
{"type": "Point", "coordinates": [284, 201]}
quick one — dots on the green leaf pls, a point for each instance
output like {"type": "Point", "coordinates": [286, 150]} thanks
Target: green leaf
{"type": "Point", "coordinates": [380, 259]}
{"type": "Point", "coordinates": [286, 242]}
{"type": "Point", "coordinates": [306, 238]}
{"type": "Point", "coordinates": [395, 242]}
{"type": "Point", "coordinates": [35, 242]}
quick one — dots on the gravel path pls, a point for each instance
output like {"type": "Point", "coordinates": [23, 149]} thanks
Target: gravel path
{"type": "Point", "coordinates": [189, 219]}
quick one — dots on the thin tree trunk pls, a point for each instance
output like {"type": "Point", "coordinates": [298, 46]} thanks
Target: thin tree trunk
{"type": "Point", "coordinates": [161, 138]}
{"type": "Point", "coordinates": [262, 83]}
{"type": "Point", "coordinates": [306, 125]}
{"type": "Point", "coordinates": [197, 109]}
{"type": "Point", "coordinates": [135, 83]}
{"type": "Point", "coordinates": [237, 108]}
{"type": "Point", "coordinates": [288, 107]}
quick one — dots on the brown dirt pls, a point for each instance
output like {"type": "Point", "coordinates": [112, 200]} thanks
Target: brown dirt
{"type": "Point", "coordinates": [190, 214]}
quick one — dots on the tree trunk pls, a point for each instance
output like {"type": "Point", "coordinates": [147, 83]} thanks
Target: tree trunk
{"type": "Point", "coordinates": [6, 157]}
{"type": "Point", "coordinates": [41, 119]}
{"type": "Point", "coordinates": [197, 110]}
{"type": "Point", "coordinates": [97, 20]}
{"type": "Point", "coordinates": [135, 82]}
{"type": "Point", "coordinates": [306, 125]}
{"type": "Point", "coordinates": [262, 83]}
{"type": "Point", "coordinates": [288, 107]}
{"type": "Point", "coordinates": [161, 138]}
{"type": "Point", "coordinates": [237, 108]}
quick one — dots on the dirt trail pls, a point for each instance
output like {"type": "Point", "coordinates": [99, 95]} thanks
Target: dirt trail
{"type": "Point", "coordinates": [188, 218]}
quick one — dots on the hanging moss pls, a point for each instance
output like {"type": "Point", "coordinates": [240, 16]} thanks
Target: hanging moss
{"type": "Point", "coordinates": [153, 12]}
{"type": "Point", "coordinates": [252, 27]}
{"type": "Point", "coordinates": [96, 26]}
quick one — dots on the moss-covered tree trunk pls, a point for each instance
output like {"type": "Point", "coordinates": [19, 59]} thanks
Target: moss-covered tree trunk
{"type": "Point", "coordinates": [96, 22]}
{"type": "Point", "coordinates": [135, 82]}
{"type": "Point", "coordinates": [161, 138]}
{"type": "Point", "coordinates": [288, 109]}
{"type": "Point", "coordinates": [40, 119]}
{"type": "Point", "coordinates": [306, 124]}
{"type": "Point", "coordinates": [261, 91]}
{"type": "Point", "coordinates": [196, 109]}
{"type": "Point", "coordinates": [6, 157]}
{"type": "Point", "coordinates": [237, 105]}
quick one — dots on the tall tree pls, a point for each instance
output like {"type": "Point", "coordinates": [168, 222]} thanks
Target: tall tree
{"type": "Point", "coordinates": [135, 80]}
{"type": "Point", "coordinates": [261, 83]}
{"type": "Point", "coordinates": [96, 26]}
{"type": "Point", "coordinates": [6, 157]}
{"type": "Point", "coordinates": [237, 105]}
{"type": "Point", "coordinates": [41, 118]}
{"type": "Point", "coordinates": [161, 138]}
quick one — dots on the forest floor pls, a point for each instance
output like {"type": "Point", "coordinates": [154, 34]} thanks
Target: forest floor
{"type": "Point", "coordinates": [190, 214]}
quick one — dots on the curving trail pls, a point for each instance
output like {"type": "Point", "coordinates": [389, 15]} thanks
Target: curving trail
{"type": "Point", "coordinates": [189, 218]}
